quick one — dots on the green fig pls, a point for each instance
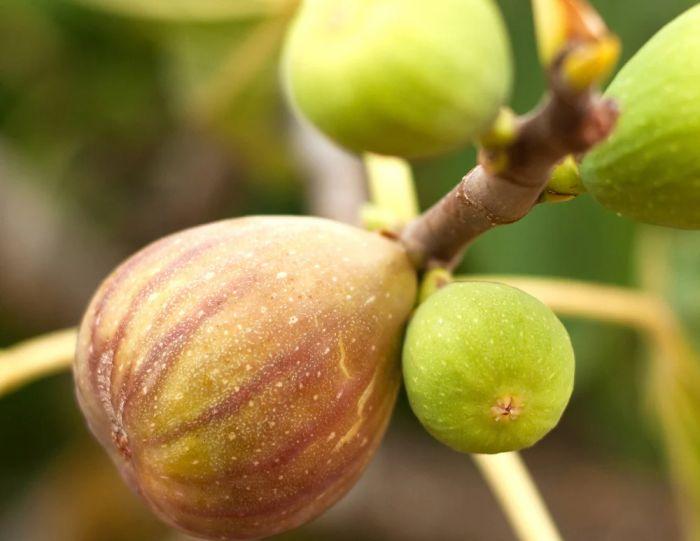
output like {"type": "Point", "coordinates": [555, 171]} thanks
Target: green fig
{"type": "Point", "coordinates": [241, 374]}
{"type": "Point", "coordinates": [649, 169]}
{"type": "Point", "coordinates": [399, 77]}
{"type": "Point", "coordinates": [487, 367]}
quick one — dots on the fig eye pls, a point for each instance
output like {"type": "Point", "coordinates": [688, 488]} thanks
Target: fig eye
{"type": "Point", "coordinates": [507, 408]}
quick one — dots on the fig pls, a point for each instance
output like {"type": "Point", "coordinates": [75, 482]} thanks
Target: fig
{"type": "Point", "coordinates": [399, 77]}
{"type": "Point", "coordinates": [241, 374]}
{"type": "Point", "coordinates": [487, 367]}
{"type": "Point", "coordinates": [649, 169]}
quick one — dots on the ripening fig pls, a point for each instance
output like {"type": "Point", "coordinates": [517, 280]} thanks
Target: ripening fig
{"type": "Point", "coordinates": [241, 374]}
{"type": "Point", "coordinates": [487, 368]}
{"type": "Point", "coordinates": [406, 78]}
{"type": "Point", "coordinates": [649, 169]}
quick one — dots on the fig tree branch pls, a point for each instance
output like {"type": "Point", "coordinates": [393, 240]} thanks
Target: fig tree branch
{"type": "Point", "coordinates": [508, 182]}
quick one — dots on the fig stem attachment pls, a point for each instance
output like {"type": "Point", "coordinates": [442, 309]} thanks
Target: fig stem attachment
{"type": "Point", "coordinates": [517, 494]}
{"type": "Point", "coordinates": [36, 358]}
{"type": "Point", "coordinates": [392, 193]}
{"type": "Point", "coordinates": [565, 183]}
{"type": "Point", "coordinates": [433, 281]}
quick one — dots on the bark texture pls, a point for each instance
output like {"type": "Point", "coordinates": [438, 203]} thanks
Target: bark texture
{"type": "Point", "coordinates": [509, 181]}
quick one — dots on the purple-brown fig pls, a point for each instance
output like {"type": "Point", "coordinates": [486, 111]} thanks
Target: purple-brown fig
{"type": "Point", "coordinates": [241, 374]}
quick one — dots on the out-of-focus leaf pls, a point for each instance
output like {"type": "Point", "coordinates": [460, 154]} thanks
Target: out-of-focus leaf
{"type": "Point", "coordinates": [670, 264]}
{"type": "Point", "coordinates": [676, 395]}
{"type": "Point", "coordinates": [34, 53]}
{"type": "Point", "coordinates": [82, 498]}
{"type": "Point", "coordinates": [96, 81]}
{"type": "Point", "coordinates": [225, 79]}
{"type": "Point", "coordinates": [212, 67]}
{"type": "Point", "coordinates": [192, 10]}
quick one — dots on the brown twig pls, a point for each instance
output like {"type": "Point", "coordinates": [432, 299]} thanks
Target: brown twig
{"type": "Point", "coordinates": [508, 182]}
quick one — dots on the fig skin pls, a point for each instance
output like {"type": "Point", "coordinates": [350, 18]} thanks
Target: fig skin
{"type": "Point", "coordinates": [649, 170]}
{"type": "Point", "coordinates": [241, 374]}
{"type": "Point", "coordinates": [488, 368]}
{"type": "Point", "coordinates": [399, 77]}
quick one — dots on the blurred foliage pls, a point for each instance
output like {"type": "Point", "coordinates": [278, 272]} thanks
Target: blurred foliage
{"type": "Point", "coordinates": [676, 395]}
{"type": "Point", "coordinates": [670, 265]}
{"type": "Point", "coordinates": [112, 106]}
{"type": "Point", "coordinates": [675, 271]}
{"type": "Point", "coordinates": [191, 10]}
{"type": "Point", "coordinates": [76, 498]}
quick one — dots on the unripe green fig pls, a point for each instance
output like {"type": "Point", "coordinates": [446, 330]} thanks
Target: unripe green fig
{"type": "Point", "coordinates": [487, 367]}
{"type": "Point", "coordinates": [407, 78]}
{"type": "Point", "coordinates": [241, 374]}
{"type": "Point", "coordinates": [649, 169]}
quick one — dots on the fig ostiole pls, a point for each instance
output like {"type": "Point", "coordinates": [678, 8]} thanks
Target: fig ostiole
{"type": "Point", "coordinates": [242, 373]}
{"type": "Point", "coordinates": [649, 169]}
{"type": "Point", "coordinates": [400, 77]}
{"type": "Point", "coordinates": [487, 368]}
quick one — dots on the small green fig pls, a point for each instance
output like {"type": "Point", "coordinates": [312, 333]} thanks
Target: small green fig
{"type": "Point", "coordinates": [649, 170]}
{"type": "Point", "coordinates": [400, 77]}
{"type": "Point", "coordinates": [241, 374]}
{"type": "Point", "coordinates": [487, 367]}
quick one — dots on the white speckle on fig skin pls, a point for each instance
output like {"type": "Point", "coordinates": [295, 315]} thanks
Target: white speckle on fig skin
{"type": "Point", "coordinates": [251, 352]}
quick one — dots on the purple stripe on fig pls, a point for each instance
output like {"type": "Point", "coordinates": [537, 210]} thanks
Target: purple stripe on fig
{"type": "Point", "coordinates": [161, 358]}
{"type": "Point", "coordinates": [164, 353]}
{"type": "Point", "coordinates": [124, 272]}
{"type": "Point", "coordinates": [315, 485]}
{"type": "Point", "coordinates": [269, 366]}
{"type": "Point", "coordinates": [301, 440]}
{"type": "Point", "coordinates": [102, 359]}
{"type": "Point", "coordinates": [231, 404]}
{"type": "Point", "coordinates": [104, 351]}
{"type": "Point", "coordinates": [349, 469]}
{"type": "Point", "coordinates": [277, 514]}
{"type": "Point", "coordinates": [329, 486]}
{"type": "Point", "coordinates": [148, 289]}
{"type": "Point", "coordinates": [110, 349]}
{"type": "Point", "coordinates": [274, 369]}
{"type": "Point", "coordinates": [132, 380]}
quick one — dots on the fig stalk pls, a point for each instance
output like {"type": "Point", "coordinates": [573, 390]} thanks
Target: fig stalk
{"type": "Point", "coordinates": [512, 484]}
{"type": "Point", "coordinates": [489, 196]}
{"type": "Point", "coordinates": [36, 358]}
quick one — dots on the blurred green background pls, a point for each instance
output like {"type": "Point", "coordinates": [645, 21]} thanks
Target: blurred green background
{"type": "Point", "coordinates": [121, 121]}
